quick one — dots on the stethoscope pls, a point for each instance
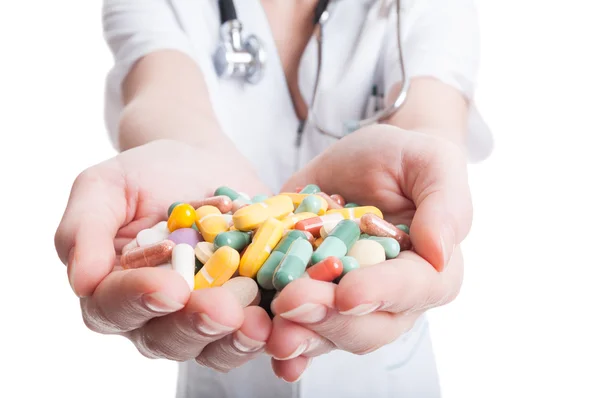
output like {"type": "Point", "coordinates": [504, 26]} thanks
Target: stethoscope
{"type": "Point", "coordinates": [245, 58]}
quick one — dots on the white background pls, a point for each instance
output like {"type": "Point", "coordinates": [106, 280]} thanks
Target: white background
{"type": "Point", "coordinates": [526, 322]}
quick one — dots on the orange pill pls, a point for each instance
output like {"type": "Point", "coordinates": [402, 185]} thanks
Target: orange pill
{"type": "Point", "coordinates": [326, 270]}
{"type": "Point", "coordinates": [148, 256]}
{"type": "Point", "coordinates": [221, 202]}
{"type": "Point", "coordinates": [376, 226]}
{"type": "Point", "coordinates": [182, 216]}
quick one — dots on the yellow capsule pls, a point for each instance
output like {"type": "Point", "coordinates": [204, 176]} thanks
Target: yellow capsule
{"type": "Point", "coordinates": [219, 268]}
{"type": "Point", "coordinates": [210, 222]}
{"type": "Point", "coordinates": [182, 216]}
{"type": "Point", "coordinates": [297, 198]}
{"type": "Point", "coordinates": [265, 239]}
{"type": "Point", "coordinates": [252, 216]}
{"type": "Point", "coordinates": [354, 213]}
{"type": "Point", "coordinates": [292, 219]}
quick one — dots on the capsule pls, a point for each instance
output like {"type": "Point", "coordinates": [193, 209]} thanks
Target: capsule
{"type": "Point", "coordinates": [292, 219]}
{"type": "Point", "coordinates": [293, 264]}
{"type": "Point", "coordinates": [326, 270]}
{"type": "Point", "coordinates": [210, 222]}
{"type": "Point", "coordinates": [376, 226]}
{"type": "Point", "coordinates": [244, 289]}
{"type": "Point", "coordinates": [182, 216]}
{"type": "Point", "coordinates": [238, 199]}
{"type": "Point", "coordinates": [183, 261]}
{"type": "Point", "coordinates": [331, 204]}
{"type": "Point", "coordinates": [218, 269]}
{"type": "Point", "coordinates": [353, 213]}
{"type": "Point", "coordinates": [310, 189]}
{"type": "Point", "coordinates": [173, 205]}
{"type": "Point", "coordinates": [235, 239]}
{"type": "Point", "coordinates": [318, 242]}
{"type": "Point", "coordinates": [297, 199]}
{"type": "Point", "coordinates": [185, 235]}
{"type": "Point", "coordinates": [252, 216]}
{"type": "Point", "coordinates": [222, 202]}
{"type": "Point", "coordinates": [367, 252]}
{"type": "Point", "coordinates": [264, 277]}
{"type": "Point", "coordinates": [350, 205]}
{"type": "Point", "coordinates": [339, 199]}
{"type": "Point", "coordinates": [259, 198]}
{"type": "Point", "coordinates": [149, 236]}
{"type": "Point", "coordinates": [349, 264]}
{"type": "Point", "coordinates": [337, 244]}
{"type": "Point", "coordinates": [312, 204]}
{"type": "Point", "coordinates": [403, 227]}
{"type": "Point", "coordinates": [390, 246]}
{"type": "Point", "coordinates": [149, 256]}
{"type": "Point", "coordinates": [204, 250]}
{"type": "Point", "coordinates": [314, 224]}
{"type": "Point", "coordinates": [266, 238]}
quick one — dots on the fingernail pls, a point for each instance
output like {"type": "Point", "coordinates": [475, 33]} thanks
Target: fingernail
{"type": "Point", "coordinates": [303, 372]}
{"type": "Point", "coordinates": [299, 351]}
{"type": "Point", "coordinates": [160, 302]}
{"type": "Point", "coordinates": [245, 344]}
{"type": "Point", "coordinates": [206, 325]}
{"type": "Point", "coordinates": [447, 242]}
{"type": "Point", "coordinates": [306, 313]}
{"type": "Point", "coordinates": [362, 309]}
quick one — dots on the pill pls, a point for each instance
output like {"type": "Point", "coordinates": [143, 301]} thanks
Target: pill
{"type": "Point", "coordinates": [204, 250]}
{"type": "Point", "coordinates": [259, 198]}
{"type": "Point", "coordinates": [264, 277]}
{"type": "Point", "coordinates": [331, 204]}
{"type": "Point", "coordinates": [352, 213]}
{"type": "Point", "coordinates": [328, 227]}
{"type": "Point", "coordinates": [376, 226]}
{"type": "Point", "coordinates": [195, 227]}
{"type": "Point", "coordinates": [390, 246]}
{"type": "Point", "coordinates": [326, 270]}
{"type": "Point", "coordinates": [293, 264]}
{"type": "Point", "coordinates": [182, 216]}
{"type": "Point", "coordinates": [230, 193]}
{"type": "Point", "coordinates": [311, 204]}
{"type": "Point", "coordinates": [337, 244]}
{"type": "Point", "coordinates": [265, 239]}
{"type": "Point", "coordinates": [218, 269]}
{"type": "Point", "coordinates": [318, 242]}
{"type": "Point", "coordinates": [349, 264]}
{"type": "Point", "coordinates": [245, 289]}
{"type": "Point", "coordinates": [292, 219]}
{"type": "Point", "coordinates": [252, 216]}
{"type": "Point", "coordinates": [238, 204]}
{"type": "Point", "coordinates": [172, 207]}
{"type": "Point", "coordinates": [229, 219]}
{"type": "Point", "coordinates": [188, 236]}
{"type": "Point", "coordinates": [314, 224]}
{"type": "Point", "coordinates": [350, 205]}
{"type": "Point", "coordinates": [149, 256]}
{"type": "Point", "coordinates": [339, 199]}
{"type": "Point", "coordinates": [221, 202]}
{"type": "Point", "coordinates": [403, 227]}
{"type": "Point", "coordinates": [235, 239]}
{"type": "Point", "coordinates": [210, 222]}
{"type": "Point", "coordinates": [183, 261]}
{"type": "Point", "coordinates": [129, 246]}
{"type": "Point", "coordinates": [297, 199]}
{"type": "Point", "coordinates": [367, 252]}
{"type": "Point", "coordinates": [245, 196]}
{"type": "Point", "coordinates": [310, 189]}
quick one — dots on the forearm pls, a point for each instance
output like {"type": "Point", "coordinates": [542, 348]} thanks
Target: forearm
{"type": "Point", "coordinates": [165, 97]}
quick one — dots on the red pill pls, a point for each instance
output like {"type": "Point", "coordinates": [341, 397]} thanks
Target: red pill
{"type": "Point", "coordinates": [375, 226]}
{"type": "Point", "coordinates": [148, 256]}
{"type": "Point", "coordinates": [338, 199]}
{"type": "Point", "coordinates": [331, 204]}
{"type": "Point", "coordinates": [314, 224]}
{"type": "Point", "coordinates": [326, 270]}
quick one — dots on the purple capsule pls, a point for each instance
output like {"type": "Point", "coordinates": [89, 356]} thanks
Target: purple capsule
{"type": "Point", "coordinates": [185, 235]}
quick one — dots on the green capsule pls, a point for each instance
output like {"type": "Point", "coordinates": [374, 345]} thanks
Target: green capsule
{"type": "Point", "coordinates": [195, 227]}
{"type": "Point", "coordinates": [351, 205]}
{"type": "Point", "coordinates": [259, 198]}
{"type": "Point", "coordinates": [403, 227]}
{"type": "Point", "coordinates": [264, 277]}
{"type": "Point", "coordinates": [364, 236]}
{"type": "Point", "coordinates": [233, 195]}
{"type": "Point", "coordinates": [349, 263]}
{"type": "Point", "coordinates": [338, 242]}
{"type": "Point", "coordinates": [172, 207]}
{"type": "Point", "coordinates": [235, 239]}
{"type": "Point", "coordinates": [390, 245]}
{"type": "Point", "coordinates": [310, 204]}
{"type": "Point", "coordinates": [310, 188]}
{"type": "Point", "coordinates": [293, 265]}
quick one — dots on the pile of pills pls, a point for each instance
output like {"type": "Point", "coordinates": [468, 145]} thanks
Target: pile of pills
{"type": "Point", "coordinates": [261, 244]}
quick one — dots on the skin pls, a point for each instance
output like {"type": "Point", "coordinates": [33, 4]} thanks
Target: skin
{"type": "Point", "coordinates": [168, 131]}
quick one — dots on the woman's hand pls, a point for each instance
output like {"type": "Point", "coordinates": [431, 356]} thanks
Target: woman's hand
{"type": "Point", "coordinates": [414, 179]}
{"type": "Point", "coordinates": [153, 307]}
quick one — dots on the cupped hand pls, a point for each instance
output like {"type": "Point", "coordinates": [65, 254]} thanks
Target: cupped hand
{"type": "Point", "coordinates": [153, 307]}
{"type": "Point", "coordinates": [415, 179]}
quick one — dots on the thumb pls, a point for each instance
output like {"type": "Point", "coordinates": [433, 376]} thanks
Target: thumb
{"type": "Point", "coordinates": [301, 178]}
{"type": "Point", "coordinates": [85, 236]}
{"type": "Point", "coordinates": [442, 198]}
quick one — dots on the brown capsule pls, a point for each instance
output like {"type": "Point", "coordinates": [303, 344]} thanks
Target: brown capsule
{"type": "Point", "coordinates": [148, 256]}
{"type": "Point", "coordinates": [245, 289]}
{"type": "Point", "coordinates": [375, 226]}
{"type": "Point", "coordinates": [331, 204]}
{"type": "Point", "coordinates": [338, 199]}
{"type": "Point", "coordinates": [221, 202]}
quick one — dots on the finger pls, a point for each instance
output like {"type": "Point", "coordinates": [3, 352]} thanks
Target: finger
{"type": "Point", "coordinates": [209, 315]}
{"type": "Point", "coordinates": [290, 370]}
{"type": "Point", "coordinates": [125, 300]}
{"type": "Point", "coordinates": [436, 180]}
{"type": "Point", "coordinates": [289, 340]}
{"type": "Point", "coordinates": [96, 209]}
{"type": "Point", "coordinates": [407, 283]}
{"type": "Point", "coordinates": [241, 346]}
